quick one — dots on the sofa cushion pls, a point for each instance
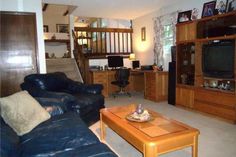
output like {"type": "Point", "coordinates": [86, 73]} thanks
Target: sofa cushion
{"type": "Point", "coordinates": [61, 132]}
{"type": "Point", "coordinates": [22, 112]}
{"type": "Point", "coordinates": [88, 102]}
{"type": "Point", "coordinates": [9, 145]}
{"type": "Point", "coordinates": [94, 150]}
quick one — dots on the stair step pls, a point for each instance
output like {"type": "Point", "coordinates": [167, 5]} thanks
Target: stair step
{"type": "Point", "coordinates": [66, 65]}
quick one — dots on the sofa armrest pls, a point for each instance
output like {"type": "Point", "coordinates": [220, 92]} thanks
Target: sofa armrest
{"type": "Point", "coordinates": [77, 87]}
{"type": "Point", "coordinates": [52, 105]}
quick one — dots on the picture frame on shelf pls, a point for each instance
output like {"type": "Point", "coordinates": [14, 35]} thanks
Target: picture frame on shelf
{"type": "Point", "coordinates": [195, 13]}
{"type": "Point", "coordinates": [231, 5]}
{"type": "Point", "coordinates": [184, 16]}
{"type": "Point", "coordinates": [208, 9]}
{"type": "Point", "coordinates": [221, 6]}
{"type": "Point", "coordinates": [62, 28]}
{"type": "Point", "coordinates": [45, 28]}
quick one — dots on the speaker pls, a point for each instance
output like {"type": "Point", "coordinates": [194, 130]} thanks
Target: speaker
{"type": "Point", "coordinates": [173, 53]}
{"type": "Point", "coordinates": [172, 83]}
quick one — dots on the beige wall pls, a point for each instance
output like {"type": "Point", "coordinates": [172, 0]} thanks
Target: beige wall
{"type": "Point", "coordinates": [144, 50]}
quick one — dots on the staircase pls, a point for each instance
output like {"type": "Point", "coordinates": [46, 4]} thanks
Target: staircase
{"type": "Point", "coordinates": [98, 43]}
{"type": "Point", "coordinates": [66, 65]}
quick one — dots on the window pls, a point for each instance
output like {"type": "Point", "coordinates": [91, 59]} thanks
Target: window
{"type": "Point", "coordinates": [167, 39]}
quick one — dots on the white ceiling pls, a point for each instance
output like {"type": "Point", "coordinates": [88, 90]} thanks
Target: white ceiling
{"type": "Point", "coordinates": [118, 9]}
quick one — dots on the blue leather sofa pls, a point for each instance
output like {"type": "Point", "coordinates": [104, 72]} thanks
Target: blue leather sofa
{"type": "Point", "coordinates": [85, 99]}
{"type": "Point", "coordinates": [63, 135]}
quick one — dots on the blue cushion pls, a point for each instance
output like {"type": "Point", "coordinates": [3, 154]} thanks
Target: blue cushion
{"type": "Point", "coordinates": [9, 145]}
{"type": "Point", "coordinates": [61, 132]}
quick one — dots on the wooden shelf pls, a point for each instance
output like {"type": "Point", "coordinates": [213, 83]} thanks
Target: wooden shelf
{"type": "Point", "coordinates": [185, 86]}
{"type": "Point", "coordinates": [57, 40]}
{"type": "Point", "coordinates": [216, 16]}
{"type": "Point", "coordinates": [218, 90]}
{"type": "Point", "coordinates": [217, 38]}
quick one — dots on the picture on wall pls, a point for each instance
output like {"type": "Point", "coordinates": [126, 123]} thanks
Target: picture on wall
{"type": "Point", "coordinates": [221, 6]}
{"type": "Point", "coordinates": [143, 34]}
{"type": "Point", "coordinates": [184, 16]}
{"type": "Point", "coordinates": [62, 28]}
{"type": "Point", "coordinates": [208, 9]}
{"type": "Point", "coordinates": [231, 6]}
{"type": "Point", "coordinates": [45, 28]}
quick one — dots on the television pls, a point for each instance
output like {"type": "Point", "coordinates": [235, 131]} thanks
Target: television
{"type": "Point", "coordinates": [115, 61]}
{"type": "Point", "coordinates": [218, 59]}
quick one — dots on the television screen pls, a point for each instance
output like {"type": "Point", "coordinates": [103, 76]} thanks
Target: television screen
{"type": "Point", "coordinates": [218, 59]}
{"type": "Point", "coordinates": [115, 61]}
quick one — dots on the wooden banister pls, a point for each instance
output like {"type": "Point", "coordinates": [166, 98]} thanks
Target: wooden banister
{"type": "Point", "coordinates": [99, 43]}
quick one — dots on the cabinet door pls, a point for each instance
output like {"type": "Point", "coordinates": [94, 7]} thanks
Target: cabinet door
{"type": "Point", "coordinates": [150, 86]}
{"type": "Point", "coordinates": [161, 86]}
{"type": "Point", "coordinates": [101, 78]}
{"type": "Point", "coordinates": [216, 103]}
{"type": "Point", "coordinates": [185, 97]}
{"type": "Point", "coordinates": [185, 32]}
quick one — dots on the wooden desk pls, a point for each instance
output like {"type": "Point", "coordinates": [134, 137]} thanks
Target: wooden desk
{"type": "Point", "coordinates": [153, 84]}
{"type": "Point", "coordinates": [156, 85]}
{"type": "Point", "coordinates": [105, 78]}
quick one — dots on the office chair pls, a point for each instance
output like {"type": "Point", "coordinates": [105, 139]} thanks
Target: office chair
{"type": "Point", "coordinates": [122, 80]}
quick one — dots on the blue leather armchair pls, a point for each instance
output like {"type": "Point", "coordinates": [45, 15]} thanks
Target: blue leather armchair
{"type": "Point", "coordinates": [85, 99]}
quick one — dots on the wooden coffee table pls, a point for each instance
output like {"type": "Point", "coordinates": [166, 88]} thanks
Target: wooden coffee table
{"type": "Point", "coordinates": [158, 136]}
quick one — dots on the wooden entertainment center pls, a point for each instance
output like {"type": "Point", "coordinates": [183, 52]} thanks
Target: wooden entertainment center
{"type": "Point", "coordinates": [194, 89]}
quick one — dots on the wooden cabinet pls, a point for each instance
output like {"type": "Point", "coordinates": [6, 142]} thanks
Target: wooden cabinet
{"type": "Point", "coordinates": [156, 86]}
{"type": "Point", "coordinates": [185, 96]}
{"type": "Point", "coordinates": [101, 77]}
{"type": "Point", "coordinates": [216, 103]}
{"type": "Point", "coordinates": [186, 32]}
{"type": "Point", "coordinates": [190, 78]}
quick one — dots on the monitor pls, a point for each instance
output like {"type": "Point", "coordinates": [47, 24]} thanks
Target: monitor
{"type": "Point", "coordinates": [115, 61]}
{"type": "Point", "coordinates": [135, 64]}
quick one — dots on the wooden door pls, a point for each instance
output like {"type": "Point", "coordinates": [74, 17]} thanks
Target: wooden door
{"type": "Point", "coordinates": [18, 50]}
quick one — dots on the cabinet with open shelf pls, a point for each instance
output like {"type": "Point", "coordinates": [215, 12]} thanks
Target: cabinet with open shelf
{"type": "Point", "coordinates": [190, 78]}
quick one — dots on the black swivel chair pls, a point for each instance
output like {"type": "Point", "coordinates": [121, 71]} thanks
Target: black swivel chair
{"type": "Point", "coordinates": [122, 80]}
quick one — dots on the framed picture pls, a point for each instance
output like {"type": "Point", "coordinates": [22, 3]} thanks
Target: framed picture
{"type": "Point", "coordinates": [45, 28]}
{"type": "Point", "coordinates": [231, 5]}
{"type": "Point", "coordinates": [208, 9]}
{"type": "Point", "coordinates": [143, 34]}
{"type": "Point", "coordinates": [221, 6]}
{"type": "Point", "coordinates": [195, 13]}
{"type": "Point", "coordinates": [184, 16]}
{"type": "Point", "coordinates": [62, 28]}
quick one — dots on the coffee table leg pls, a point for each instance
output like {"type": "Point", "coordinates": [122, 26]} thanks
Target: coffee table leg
{"type": "Point", "coordinates": [150, 151]}
{"type": "Point", "coordinates": [102, 128]}
{"type": "Point", "coordinates": [195, 147]}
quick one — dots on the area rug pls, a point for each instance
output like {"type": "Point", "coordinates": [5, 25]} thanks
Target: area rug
{"type": "Point", "coordinates": [217, 138]}
{"type": "Point", "coordinates": [123, 149]}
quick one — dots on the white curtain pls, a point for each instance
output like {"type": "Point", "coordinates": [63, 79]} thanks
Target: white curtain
{"type": "Point", "coordinates": [159, 23]}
